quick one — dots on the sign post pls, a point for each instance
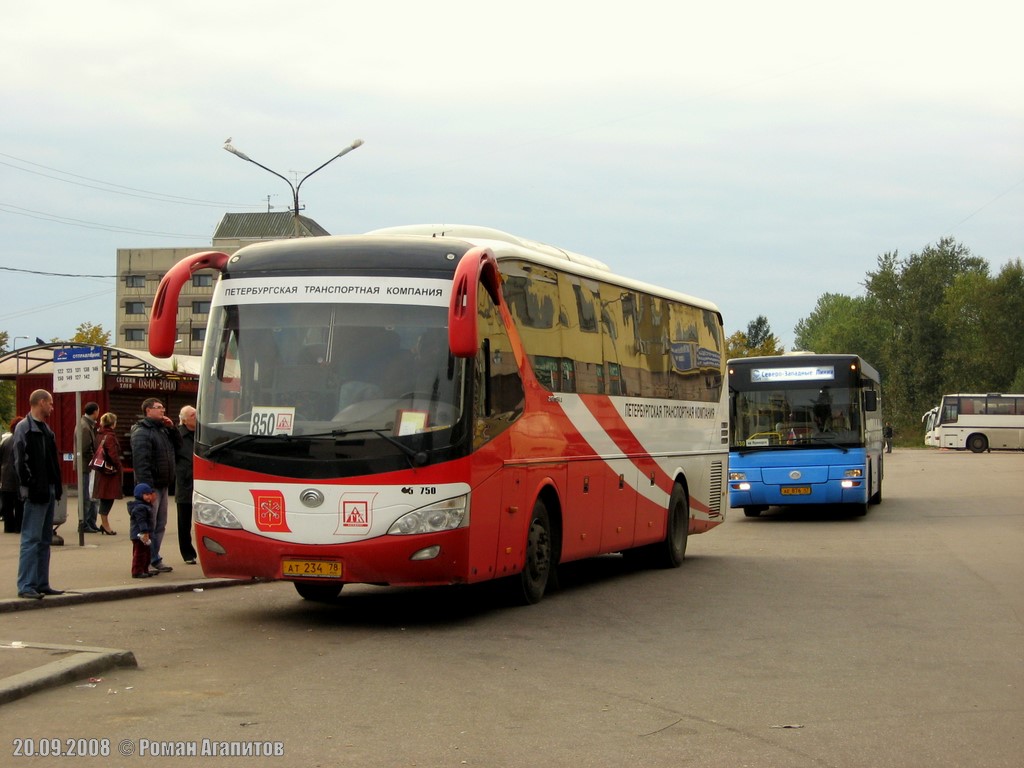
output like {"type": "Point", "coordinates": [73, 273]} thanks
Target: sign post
{"type": "Point", "coordinates": [78, 370]}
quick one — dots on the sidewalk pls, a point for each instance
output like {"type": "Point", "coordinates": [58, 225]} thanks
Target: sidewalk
{"type": "Point", "coordinates": [97, 571]}
{"type": "Point", "coordinates": [101, 569]}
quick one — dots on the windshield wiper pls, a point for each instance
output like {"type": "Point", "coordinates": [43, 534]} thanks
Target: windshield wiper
{"type": "Point", "coordinates": [234, 442]}
{"type": "Point", "coordinates": [829, 441]}
{"type": "Point", "coordinates": [416, 458]}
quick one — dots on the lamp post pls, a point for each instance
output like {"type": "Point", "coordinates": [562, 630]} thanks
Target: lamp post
{"type": "Point", "coordinates": [294, 187]}
{"type": "Point", "coordinates": [14, 343]}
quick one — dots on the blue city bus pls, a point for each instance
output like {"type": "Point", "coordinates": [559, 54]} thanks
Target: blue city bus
{"type": "Point", "coordinates": [804, 429]}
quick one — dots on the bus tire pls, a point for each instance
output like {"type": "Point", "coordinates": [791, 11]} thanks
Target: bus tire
{"type": "Point", "coordinates": [318, 593]}
{"type": "Point", "coordinates": [977, 443]}
{"type": "Point", "coordinates": [539, 561]}
{"type": "Point", "coordinates": [753, 511]}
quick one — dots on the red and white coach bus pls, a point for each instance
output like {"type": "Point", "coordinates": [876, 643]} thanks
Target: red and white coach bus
{"type": "Point", "coordinates": [425, 405]}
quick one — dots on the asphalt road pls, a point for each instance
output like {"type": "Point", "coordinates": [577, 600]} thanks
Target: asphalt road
{"type": "Point", "coordinates": [801, 638]}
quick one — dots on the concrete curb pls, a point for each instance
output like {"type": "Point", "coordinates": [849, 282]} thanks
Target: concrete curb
{"type": "Point", "coordinates": [102, 594]}
{"type": "Point", "coordinates": [80, 663]}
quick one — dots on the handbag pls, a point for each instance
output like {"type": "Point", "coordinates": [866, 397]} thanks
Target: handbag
{"type": "Point", "coordinates": [100, 464]}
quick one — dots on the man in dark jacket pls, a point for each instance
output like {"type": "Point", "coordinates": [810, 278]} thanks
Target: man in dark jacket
{"type": "Point", "coordinates": [85, 442]}
{"type": "Point", "coordinates": [38, 467]}
{"type": "Point", "coordinates": [154, 443]}
{"type": "Point", "coordinates": [183, 482]}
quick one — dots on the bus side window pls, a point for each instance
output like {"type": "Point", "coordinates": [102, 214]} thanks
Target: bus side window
{"type": "Point", "coordinates": [498, 387]}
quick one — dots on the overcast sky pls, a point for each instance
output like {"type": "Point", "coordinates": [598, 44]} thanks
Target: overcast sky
{"type": "Point", "coordinates": [755, 154]}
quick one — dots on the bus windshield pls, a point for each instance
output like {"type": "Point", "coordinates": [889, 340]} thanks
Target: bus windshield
{"type": "Point", "coordinates": [321, 389]}
{"type": "Point", "coordinates": [805, 414]}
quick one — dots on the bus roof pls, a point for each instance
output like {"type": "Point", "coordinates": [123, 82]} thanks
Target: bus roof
{"type": "Point", "coordinates": [507, 246]}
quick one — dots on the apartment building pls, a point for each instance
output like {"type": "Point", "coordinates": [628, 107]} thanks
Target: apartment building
{"type": "Point", "coordinates": [139, 271]}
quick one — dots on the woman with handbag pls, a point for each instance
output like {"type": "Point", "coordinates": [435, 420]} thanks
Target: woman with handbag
{"type": "Point", "coordinates": [107, 468]}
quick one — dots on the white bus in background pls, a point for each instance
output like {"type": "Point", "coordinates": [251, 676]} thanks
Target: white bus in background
{"type": "Point", "coordinates": [981, 422]}
{"type": "Point", "coordinates": [930, 420]}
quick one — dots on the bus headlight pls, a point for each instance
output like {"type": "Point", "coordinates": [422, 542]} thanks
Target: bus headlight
{"type": "Point", "coordinates": [854, 473]}
{"type": "Point", "coordinates": [209, 512]}
{"type": "Point", "coordinates": [442, 516]}
{"type": "Point", "coordinates": [737, 475]}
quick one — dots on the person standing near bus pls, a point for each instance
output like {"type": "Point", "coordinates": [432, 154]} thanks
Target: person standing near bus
{"type": "Point", "coordinates": [887, 436]}
{"type": "Point", "coordinates": [85, 443]}
{"type": "Point", "coordinates": [10, 495]}
{"type": "Point", "coordinates": [38, 467]}
{"type": "Point", "coordinates": [154, 442]}
{"type": "Point", "coordinates": [183, 482]}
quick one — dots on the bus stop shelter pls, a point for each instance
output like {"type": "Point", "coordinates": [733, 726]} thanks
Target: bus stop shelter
{"type": "Point", "coordinates": [129, 376]}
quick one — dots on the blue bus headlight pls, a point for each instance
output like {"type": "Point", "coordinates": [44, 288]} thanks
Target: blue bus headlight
{"type": "Point", "coordinates": [442, 516]}
{"type": "Point", "coordinates": [737, 475]}
{"type": "Point", "coordinates": [209, 512]}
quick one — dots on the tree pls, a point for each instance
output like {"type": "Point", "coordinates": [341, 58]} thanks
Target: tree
{"type": "Point", "coordinates": [758, 340]}
{"type": "Point", "coordinates": [8, 390]}
{"type": "Point", "coordinates": [87, 333]}
{"type": "Point", "coordinates": [909, 296]}
{"type": "Point", "coordinates": [843, 324]}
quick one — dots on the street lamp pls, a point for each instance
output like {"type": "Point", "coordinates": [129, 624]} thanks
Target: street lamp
{"type": "Point", "coordinates": [15, 342]}
{"type": "Point", "coordinates": [294, 187]}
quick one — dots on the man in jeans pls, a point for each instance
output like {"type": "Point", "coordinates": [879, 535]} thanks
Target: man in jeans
{"type": "Point", "coordinates": [38, 467]}
{"type": "Point", "coordinates": [154, 443]}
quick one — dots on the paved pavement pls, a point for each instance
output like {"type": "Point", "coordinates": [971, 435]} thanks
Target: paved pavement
{"type": "Point", "coordinates": [97, 569]}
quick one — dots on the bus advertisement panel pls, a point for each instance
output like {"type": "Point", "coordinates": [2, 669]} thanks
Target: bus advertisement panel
{"type": "Point", "coordinates": [415, 407]}
{"type": "Point", "coordinates": [804, 429]}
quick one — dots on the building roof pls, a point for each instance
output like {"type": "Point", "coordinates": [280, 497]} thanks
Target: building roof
{"type": "Point", "coordinates": [116, 362]}
{"type": "Point", "coordinates": [265, 226]}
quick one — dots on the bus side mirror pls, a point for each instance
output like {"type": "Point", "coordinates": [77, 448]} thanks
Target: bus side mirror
{"type": "Point", "coordinates": [477, 267]}
{"type": "Point", "coordinates": [163, 319]}
{"type": "Point", "coordinates": [870, 400]}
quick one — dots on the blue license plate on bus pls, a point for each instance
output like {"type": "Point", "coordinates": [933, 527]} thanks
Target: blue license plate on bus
{"type": "Point", "coordinates": [795, 490]}
{"type": "Point", "coordinates": [311, 569]}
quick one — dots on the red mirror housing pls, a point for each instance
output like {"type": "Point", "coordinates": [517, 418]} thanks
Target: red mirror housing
{"type": "Point", "coordinates": [163, 319]}
{"type": "Point", "coordinates": [477, 267]}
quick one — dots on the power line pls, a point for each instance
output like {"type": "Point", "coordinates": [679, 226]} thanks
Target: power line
{"type": "Point", "coordinates": [116, 189]}
{"type": "Point", "coordinates": [44, 216]}
{"type": "Point", "coordinates": [53, 274]}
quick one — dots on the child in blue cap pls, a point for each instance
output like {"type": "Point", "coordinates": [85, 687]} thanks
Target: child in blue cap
{"type": "Point", "coordinates": [139, 511]}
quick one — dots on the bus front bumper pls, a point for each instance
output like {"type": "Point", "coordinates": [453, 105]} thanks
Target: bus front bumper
{"type": "Point", "coordinates": [393, 560]}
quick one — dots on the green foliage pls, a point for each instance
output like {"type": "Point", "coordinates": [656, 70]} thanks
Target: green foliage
{"type": "Point", "coordinates": [758, 340]}
{"type": "Point", "coordinates": [933, 323]}
{"type": "Point", "coordinates": [7, 390]}
{"type": "Point", "coordinates": [87, 333]}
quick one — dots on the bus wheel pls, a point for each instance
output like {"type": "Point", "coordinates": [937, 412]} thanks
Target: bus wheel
{"type": "Point", "coordinates": [977, 443]}
{"type": "Point", "coordinates": [317, 593]}
{"type": "Point", "coordinates": [753, 511]}
{"type": "Point", "coordinates": [539, 561]}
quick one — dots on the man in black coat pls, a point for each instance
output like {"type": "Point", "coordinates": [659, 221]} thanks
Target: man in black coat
{"type": "Point", "coordinates": [154, 443]}
{"type": "Point", "coordinates": [38, 467]}
{"type": "Point", "coordinates": [183, 482]}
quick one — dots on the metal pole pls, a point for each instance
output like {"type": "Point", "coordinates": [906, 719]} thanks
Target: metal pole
{"type": "Point", "coordinates": [78, 470]}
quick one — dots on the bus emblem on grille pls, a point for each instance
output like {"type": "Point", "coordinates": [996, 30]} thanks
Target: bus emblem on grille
{"type": "Point", "coordinates": [795, 474]}
{"type": "Point", "coordinates": [311, 497]}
